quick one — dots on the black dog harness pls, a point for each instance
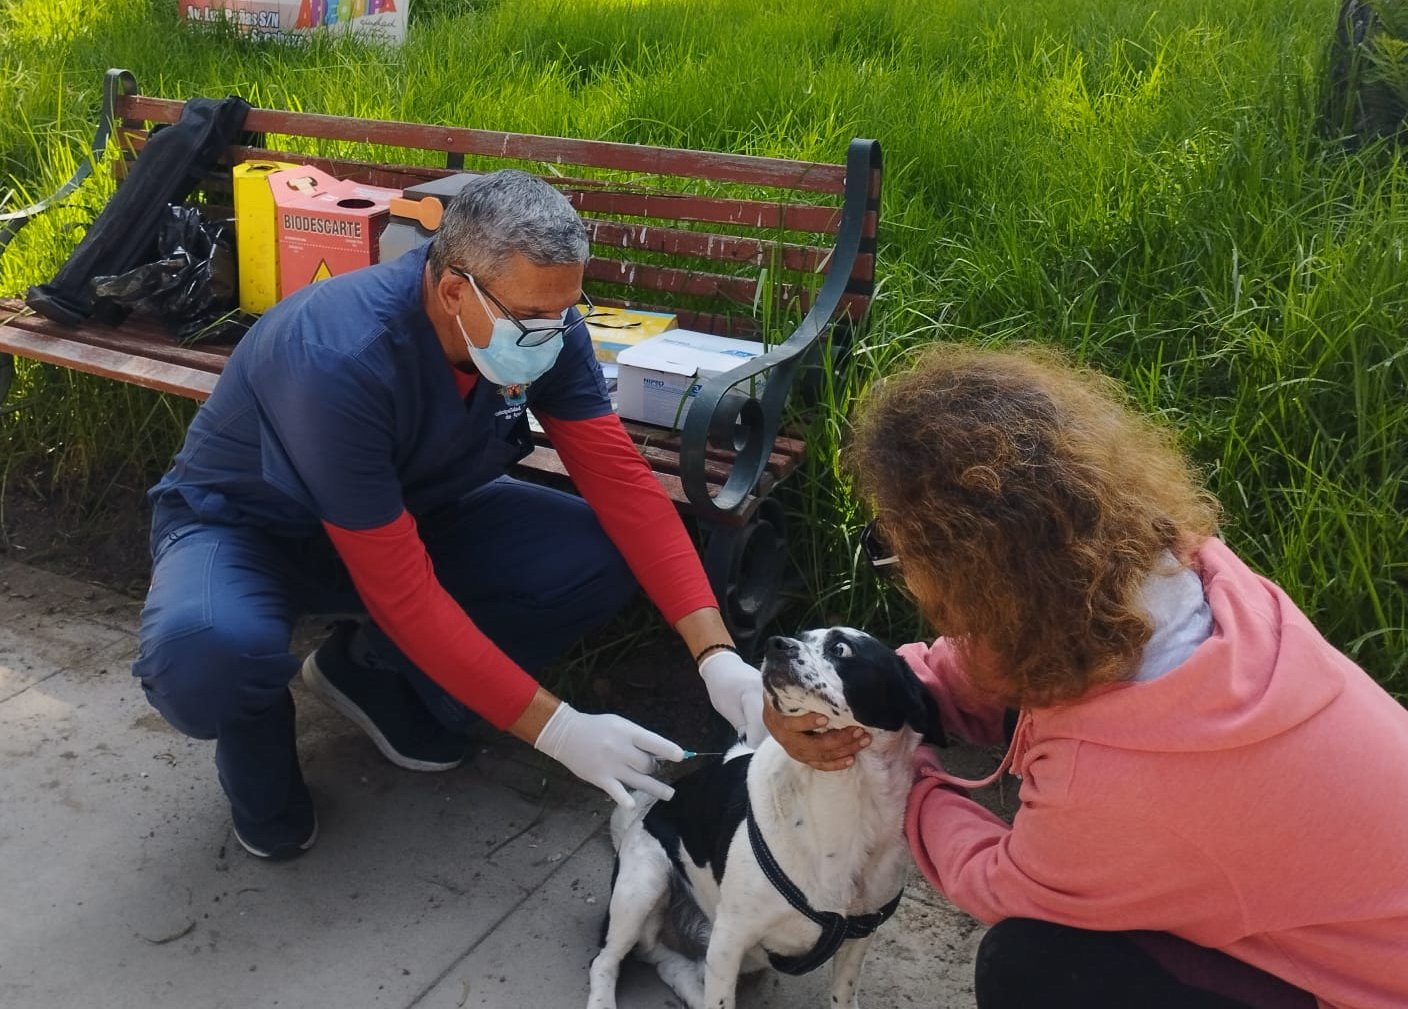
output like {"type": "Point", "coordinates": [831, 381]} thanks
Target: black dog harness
{"type": "Point", "coordinates": [835, 928]}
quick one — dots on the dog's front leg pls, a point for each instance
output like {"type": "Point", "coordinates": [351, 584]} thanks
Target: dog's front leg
{"type": "Point", "coordinates": [845, 973]}
{"type": "Point", "coordinates": [727, 944]}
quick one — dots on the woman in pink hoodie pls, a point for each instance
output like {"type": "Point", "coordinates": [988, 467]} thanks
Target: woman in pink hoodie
{"type": "Point", "coordinates": [1214, 801]}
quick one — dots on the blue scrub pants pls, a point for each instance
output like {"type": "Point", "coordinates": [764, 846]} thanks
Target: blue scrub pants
{"type": "Point", "coordinates": [531, 567]}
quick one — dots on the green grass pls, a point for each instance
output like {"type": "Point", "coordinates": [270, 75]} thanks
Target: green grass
{"type": "Point", "coordinates": [1146, 188]}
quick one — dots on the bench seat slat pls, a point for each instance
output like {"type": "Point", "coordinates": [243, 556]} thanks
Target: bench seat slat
{"type": "Point", "coordinates": [663, 444]}
{"type": "Point", "coordinates": [789, 448]}
{"type": "Point", "coordinates": [807, 176]}
{"type": "Point", "coordinates": [134, 337]}
{"type": "Point", "coordinates": [144, 371]}
{"type": "Point", "coordinates": [546, 464]}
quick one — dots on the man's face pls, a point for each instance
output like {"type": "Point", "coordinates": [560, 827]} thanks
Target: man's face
{"type": "Point", "coordinates": [523, 288]}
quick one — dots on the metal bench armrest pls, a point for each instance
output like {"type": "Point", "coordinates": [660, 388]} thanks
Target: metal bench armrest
{"type": "Point", "coordinates": [749, 422]}
{"type": "Point", "coordinates": [115, 82]}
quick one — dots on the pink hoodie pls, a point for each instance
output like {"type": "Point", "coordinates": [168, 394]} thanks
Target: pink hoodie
{"type": "Point", "coordinates": [1254, 799]}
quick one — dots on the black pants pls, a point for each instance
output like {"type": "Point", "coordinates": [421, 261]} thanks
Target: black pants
{"type": "Point", "coordinates": [1026, 964]}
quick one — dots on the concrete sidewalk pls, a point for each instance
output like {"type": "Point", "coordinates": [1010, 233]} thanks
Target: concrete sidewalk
{"type": "Point", "coordinates": [122, 886]}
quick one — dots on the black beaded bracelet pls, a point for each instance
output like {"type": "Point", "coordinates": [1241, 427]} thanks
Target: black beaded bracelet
{"type": "Point", "coordinates": [714, 648]}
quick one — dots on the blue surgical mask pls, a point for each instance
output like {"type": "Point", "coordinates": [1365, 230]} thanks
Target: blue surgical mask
{"type": "Point", "coordinates": [505, 361]}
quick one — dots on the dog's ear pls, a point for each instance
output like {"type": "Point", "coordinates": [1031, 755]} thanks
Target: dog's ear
{"type": "Point", "coordinates": [923, 714]}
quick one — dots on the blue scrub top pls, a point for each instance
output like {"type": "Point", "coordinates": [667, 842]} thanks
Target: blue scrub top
{"type": "Point", "coordinates": [339, 406]}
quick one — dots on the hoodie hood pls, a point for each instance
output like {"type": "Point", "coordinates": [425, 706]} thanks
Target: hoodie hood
{"type": "Point", "coordinates": [1263, 671]}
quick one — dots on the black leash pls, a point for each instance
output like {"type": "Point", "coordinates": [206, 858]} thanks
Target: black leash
{"type": "Point", "coordinates": [835, 928]}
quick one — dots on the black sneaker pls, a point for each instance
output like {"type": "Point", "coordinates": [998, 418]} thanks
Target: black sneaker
{"type": "Point", "coordinates": [383, 705]}
{"type": "Point", "coordinates": [280, 842]}
{"type": "Point", "coordinates": [280, 830]}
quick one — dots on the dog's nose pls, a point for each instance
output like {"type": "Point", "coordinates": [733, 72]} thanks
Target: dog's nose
{"type": "Point", "coordinates": [782, 648]}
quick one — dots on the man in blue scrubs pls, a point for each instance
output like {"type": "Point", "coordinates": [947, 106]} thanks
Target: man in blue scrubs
{"type": "Point", "coordinates": [353, 457]}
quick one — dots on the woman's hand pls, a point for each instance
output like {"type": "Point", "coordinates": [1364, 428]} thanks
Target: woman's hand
{"type": "Point", "coordinates": [926, 763]}
{"type": "Point", "coordinates": [832, 750]}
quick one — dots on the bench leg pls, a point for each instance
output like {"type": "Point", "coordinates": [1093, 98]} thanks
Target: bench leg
{"type": "Point", "coordinates": [746, 567]}
{"type": "Point", "coordinates": [7, 374]}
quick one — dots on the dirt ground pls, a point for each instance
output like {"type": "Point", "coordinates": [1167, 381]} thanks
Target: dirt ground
{"type": "Point", "coordinates": [108, 548]}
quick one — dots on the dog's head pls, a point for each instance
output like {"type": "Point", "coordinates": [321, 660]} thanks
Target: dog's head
{"type": "Point", "coordinates": [852, 679]}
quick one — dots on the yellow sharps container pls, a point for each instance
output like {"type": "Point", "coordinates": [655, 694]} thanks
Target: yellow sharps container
{"type": "Point", "coordinates": [256, 247]}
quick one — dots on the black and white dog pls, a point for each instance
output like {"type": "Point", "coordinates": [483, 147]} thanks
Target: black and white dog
{"type": "Point", "coordinates": [759, 858]}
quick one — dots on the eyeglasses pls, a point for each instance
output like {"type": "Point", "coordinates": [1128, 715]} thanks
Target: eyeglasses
{"type": "Point", "coordinates": [882, 558]}
{"type": "Point", "coordinates": [528, 336]}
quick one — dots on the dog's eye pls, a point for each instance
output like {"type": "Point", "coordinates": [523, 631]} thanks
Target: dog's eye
{"type": "Point", "coordinates": [840, 649]}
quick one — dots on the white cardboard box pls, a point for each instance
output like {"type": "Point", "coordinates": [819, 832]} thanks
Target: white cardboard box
{"type": "Point", "coordinates": [658, 378]}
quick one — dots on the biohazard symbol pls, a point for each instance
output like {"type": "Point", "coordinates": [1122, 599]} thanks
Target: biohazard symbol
{"type": "Point", "coordinates": [322, 272]}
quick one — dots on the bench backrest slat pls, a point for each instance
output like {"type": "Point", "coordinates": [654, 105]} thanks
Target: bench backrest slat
{"type": "Point", "coordinates": [807, 176]}
{"type": "Point", "coordinates": [703, 245]}
{"type": "Point", "coordinates": [639, 276]}
{"type": "Point", "coordinates": [703, 256]}
{"type": "Point", "coordinates": [709, 210]}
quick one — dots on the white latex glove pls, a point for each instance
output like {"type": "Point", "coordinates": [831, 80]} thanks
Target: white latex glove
{"type": "Point", "coordinates": [607, 751]}
{"type": "Point", "coordinates": [736, 692]}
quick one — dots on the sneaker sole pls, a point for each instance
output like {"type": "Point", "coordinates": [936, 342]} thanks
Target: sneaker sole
{"type": "Point", "coordinates": [320, 685]}
{"type": "Point", "coordinates": [286, 855]}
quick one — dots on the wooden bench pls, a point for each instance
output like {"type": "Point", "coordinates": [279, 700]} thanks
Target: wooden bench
{"type": "Point", "coordinates": [708, 236]}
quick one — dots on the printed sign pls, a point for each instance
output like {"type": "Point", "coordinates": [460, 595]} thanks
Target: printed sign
{"type": "Point", "coordinates": [325, 227]}
{"type": "Point", "coordinates": [288, 19]}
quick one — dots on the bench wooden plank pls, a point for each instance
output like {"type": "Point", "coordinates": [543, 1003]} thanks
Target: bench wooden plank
{"type": "Point", "coordinates": [136, 337]}
{"type": "Point", "coordinates": [800, 257]}
{"type": "Point", "coordinates": [801, 217]}
{"type": "Point", "coordinates": [786, 447]}
{"type": "Point", "coordinates": [144, 371]}
{"type": "Point", "coordinates": [721, 248]}
{"type": "Point", "coordinates": [546, 465]}
{"type": "Point", "coordinates": [390, 176]}
{"type": "Point", "coordinates": [716, 464]}
{"type": "Point", "coordinates": [588, 196]}
{"type": "Point", "coordinates": [640, 276]}
{"type": "Point", "coordinates": [807, 176]}
{"type": "Point", "coordinates": [132, 140]}
{"type": "Point", "coordinates": [741, 291]}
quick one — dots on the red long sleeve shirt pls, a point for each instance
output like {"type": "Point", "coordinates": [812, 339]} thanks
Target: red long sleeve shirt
{"type": "Point", "coordinates": [395, 578]}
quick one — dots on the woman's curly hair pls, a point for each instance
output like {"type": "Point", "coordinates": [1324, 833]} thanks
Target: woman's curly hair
{"type": "Point", "coordinates": [1027, 502]}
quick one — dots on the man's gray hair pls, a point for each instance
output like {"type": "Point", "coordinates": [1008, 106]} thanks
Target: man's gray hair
{"type": "Point", "coordinates": [503, 213]}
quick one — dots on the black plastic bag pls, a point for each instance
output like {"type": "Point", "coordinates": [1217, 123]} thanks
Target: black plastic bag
{"type": "Point", "coordinates": [171, 165]}
{"type": "Point", "coordinates": [192, 286]}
